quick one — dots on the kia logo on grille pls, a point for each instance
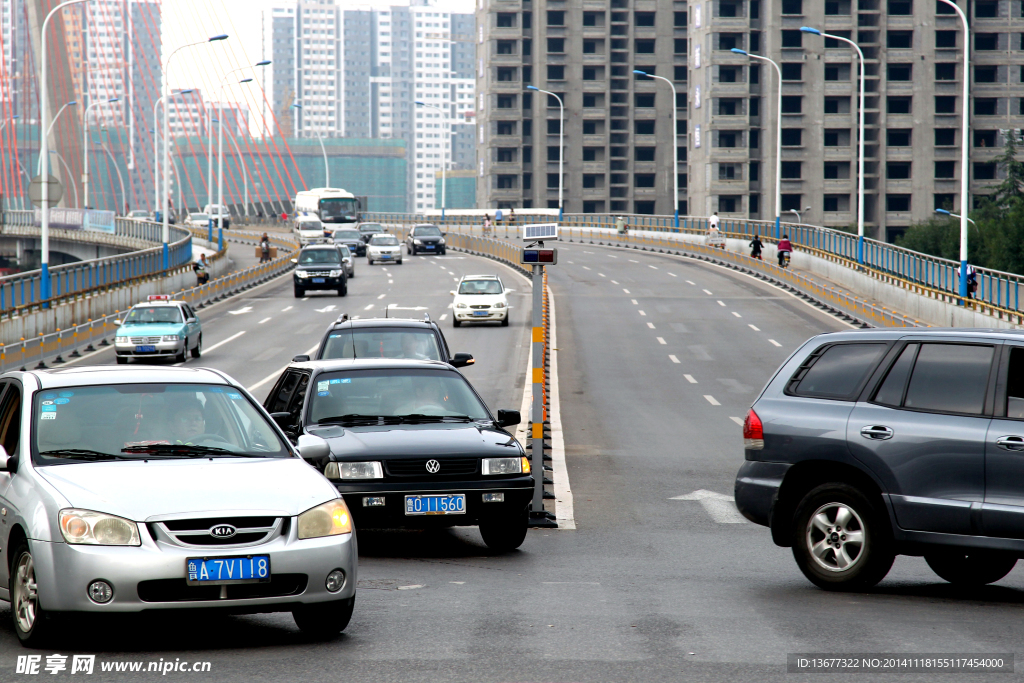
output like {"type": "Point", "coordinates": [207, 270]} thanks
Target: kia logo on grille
{"type": "Point", "coordinates": [223, 531]}
{"type": "Point", "coordinates": [433, 466]}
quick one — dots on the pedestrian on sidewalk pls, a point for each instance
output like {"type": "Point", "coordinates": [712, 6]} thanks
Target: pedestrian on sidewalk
{"type": "Point", "coordinates": [972, 281]}
{"type": "Point", "coordinates": [487, 223]}
{"type": "Point", "coordinates": [755, 247]}
{"type": "Point", "coordinates": [264, 248]}
{"type": "Point", "coordinates": [620, 225]}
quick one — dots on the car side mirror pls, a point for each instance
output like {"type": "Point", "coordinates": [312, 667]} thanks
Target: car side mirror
{"type": "Point", "coordinates": [461, 360]}
{"type": "Point", "coordinates": [452, 292]}
{"type": "Point", "coordinates": [313, 447]}
{"type": "Point", "coordinates": [294, 260]}
{"type": "Point", "coordinates": [444, 234]}
{"type": "Point", "coordinates": [283, 420]}
{"type": "Point", "coordinates": [301, 358]}
{"type": "Point", "coordinates": [118, 321]}
{"type": "Point", "coordinates": [190, 321]}
{"type": "Point", "coordinates": [508, 418]}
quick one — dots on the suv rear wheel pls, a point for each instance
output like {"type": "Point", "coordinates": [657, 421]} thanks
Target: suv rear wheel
{"type": "Point", "coordinates": [841, 540]}
{"type": "Point", "coordinates": [973, 568]}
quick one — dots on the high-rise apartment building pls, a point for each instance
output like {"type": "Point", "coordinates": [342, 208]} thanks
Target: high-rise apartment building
{"type": "Point", "coordinates": [359, 73]}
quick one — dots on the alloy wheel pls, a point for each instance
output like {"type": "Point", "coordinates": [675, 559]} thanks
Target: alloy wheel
{"type": "Point", "coordinates": [26, 594]}
{"type": "Point", "coordinates": [835, 537]}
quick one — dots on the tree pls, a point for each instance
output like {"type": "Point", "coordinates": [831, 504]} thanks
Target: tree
{"type": "Point", "coordinates": [938, 236]}
{"type": "Point", "coordinates": [1011, 190]}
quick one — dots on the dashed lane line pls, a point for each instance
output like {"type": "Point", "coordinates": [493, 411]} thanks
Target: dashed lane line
{"type": "Point", "coordinates": [691, 282]}
{"type": "Point", "coordinates": [711, 400]}
{"type": "Point", "coordinates": [673, 358]}
{"type": "Point", "coordinates": [641, 313]}
{"type": "Point", "coordinates": [614, 282]}
{"type": "Point", "coordinates": [755, 328]}
{"type": "Point", "coordinates": [625, 290]}
{"type": "Point", "coordinates": [673, 275]}
{"type": "Point", "coordinates": [661, 340]}
{"type": "Point", "coordinates": [287, 308]}
{"type": "Point", "coordinates": [690, 379]}
{"type": "Point", "coordinates": [443, 316]}
{"type": "Point", "coordinates": [368, 307]}
{"type": "Point", "coordinates": [602, 275]}
{"type": "Point", "coordinates": [708, 292]}
{"type": "Point", "coordinates": [775, 342]}
{"type": "Point", "coordinates": [233, 337]}
{"type": "Point", "coordinates": [721, 303]}
{"type": "Point", "coordinates": [737, 314]}
{"type": "Point", "coordinates": [263, 321]}
{"type": "Point", "coordinates": [635, 302]}
{"type": "Point", "coordinates": [381, 297]}
{"type": "Point", "coordinates": [650, 325]}
{"type": "Point", "coordinates": [737, 420]}
{"type": "Point", "coordinates": [652, 267]}
{"type": "Point", "coordinates": [585, 268]}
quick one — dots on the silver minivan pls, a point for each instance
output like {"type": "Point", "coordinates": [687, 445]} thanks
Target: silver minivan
{"type": "Point", "coordinates": [124, 490]}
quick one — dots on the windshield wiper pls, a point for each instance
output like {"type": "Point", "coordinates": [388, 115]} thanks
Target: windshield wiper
{"type": "Point", "coordinates": [84, 454]}
{"type": "Point", "coordinates": [183, 449]}
{"type": "Point", "coordinates": [420, 417]}
{"type": "Point", "coordinates": [354, 418]}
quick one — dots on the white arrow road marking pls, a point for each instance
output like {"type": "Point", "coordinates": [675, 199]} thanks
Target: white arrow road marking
{"type": "Point", "coordinates": [719, 506]}
{"type": "Point", "coordinates": [326, 309]}
{"type": "Point", "coordinates": [240, 311]}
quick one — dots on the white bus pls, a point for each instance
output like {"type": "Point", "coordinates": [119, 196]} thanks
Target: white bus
{"type": "Point", "coordinates": [329, 204]}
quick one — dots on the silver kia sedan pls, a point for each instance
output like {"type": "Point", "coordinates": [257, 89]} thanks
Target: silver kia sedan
{"type": "Point", "coordinates": [123, 490]}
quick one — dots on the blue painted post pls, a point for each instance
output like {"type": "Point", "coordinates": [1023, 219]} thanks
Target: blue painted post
{"type": "Point", "coordinates": [220, 239]}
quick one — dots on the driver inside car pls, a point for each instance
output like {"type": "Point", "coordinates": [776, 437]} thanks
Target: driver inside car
{"type": "Point", "coordinates": [188, 421]}
{"type": "Point", "coordinates": [424, 399]}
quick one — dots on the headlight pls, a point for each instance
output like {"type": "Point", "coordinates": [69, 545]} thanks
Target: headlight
{"type": "Point", "coordinates": [330, 519]}
{"type": "Point", "coordinates": [85, 527]}
{"type": "Point", "coordinates": [122, 341]}
{"type": "Point", "coordinates": [170, 338]}
{"type": "Point", "coordinates": [500, 304]}
{"type": "Point", "coordinates": [336, 273]}
{"type": "Point", "coordinates": [461, 306]}
{"type": "Point", "coordinates": [301, 273]}
{"type": "Point", "coordinates": [354, 470]}
{"type": "Point", "coordinates": [442, 241]}
{"type": "Point", "coordinates": [492, 466]}
{"type": "Point", "coordinates": [417, 241]}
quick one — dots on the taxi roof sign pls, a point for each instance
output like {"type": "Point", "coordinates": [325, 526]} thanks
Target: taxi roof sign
{"type": "Point", "coordinates": [158, 297]}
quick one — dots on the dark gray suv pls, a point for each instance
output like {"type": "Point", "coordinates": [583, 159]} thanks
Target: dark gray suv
{"type": "Point", "coordinates": [871, 444]}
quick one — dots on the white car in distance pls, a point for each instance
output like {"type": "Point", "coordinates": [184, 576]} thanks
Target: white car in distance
{"type": "Point", "coordinates": [309, 230]}
{"type": "Point", "coordinates": [384, 248]}
{"type": "Point", "coordinates": [198, 220]}
{"type": "Point", "coordinates": [480, 298]}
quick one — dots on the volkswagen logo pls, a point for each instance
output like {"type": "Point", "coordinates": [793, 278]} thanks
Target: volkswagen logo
{"type": "Point", "coordinates": [433, 466]}
{"type": "Point", "coordinates": [223, 531]}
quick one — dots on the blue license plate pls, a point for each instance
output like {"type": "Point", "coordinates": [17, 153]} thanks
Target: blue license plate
{"type": "Point", "coordinates": [451, 504]}
{"type": "Point", "coordinates": [145, 349]}
{"type": "Point", "coordinates": [318, 281]}
{"type": "Point", "coordinates": [206, 571]}
{"type": "Point", "coordinates": [481, 312]}
{"type": "Point", "coordinates": [385, 256]}
{"type": "Point", "coordinates": [430, 246]}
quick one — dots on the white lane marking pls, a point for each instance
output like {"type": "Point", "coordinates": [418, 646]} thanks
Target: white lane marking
{"type": "Point", "coordinates": [720, 303]}
{"type": "Point", "coordinates": [737, 314]}
{"type": "Point", "coordinates": [711, 400]}
{"type": "Point", "coordinates": [650, 325]}
{"type": "Point", "coordinates": [673, 275]}
{"type": "Point", "coordinates": [287, 308]}
{"type": "Point", "coordinates": [673, 358]}
{"type": "Point", "coordinates": [707, 292]}
{"type": "Point", "coordinates": [614, 282]}
{"type": "Point", "coordinates": [383, 269]}
{"type": "Point", "coordinates": [720, 507]}
{"type": "Point", "coordinates": [775, 342]}
{"type": "Point", "coordinates": [632, 261]}
{"type": "Point", "coordinates": [602, 275]}
{"type": "Point", "coordinates": [573, 262]}
{"type": "Point", "coordinates": [263, 321]}
{"type": "Point", "coordinates": [222, 343]}
{"type": "Point", "coordinates": [755, 328]}
{"type": "Point", "coordinates": [661, 340]}
{"type": "Point", "coordinates": [305, 298]}
{"type": "Point", "coordinates": [368, 307]}
{"type": "Point", "coordinates": [326, 309]}
{"type": "Point", "coordinates": [690, 379]}
{"type": "Point", "coordinates": [275, 374]}
{"type": "Point", "coordinates": [691, 282]}
{"type": "Point", "coordinates": [240, 311]}
{"type": "Point", "coordinates": [737, 420]}
{"type": "Point", "coordinates": [391, 282]}
{"type": "Point", "coordinates": [585, 268]}
{"type": "Point", "coordinates": [560, 473]}
{"type": "Point", "coordinates": [652, 267]}
{"type": "Point", "coordinates": [635, 302]}
{"type": "Point", "coordinates": [443, 316]}
{"type": "Point", "coordinates": [612, 256]}
{"type": "Point", "coordinates": [588, 252]}
{"type": "Point", "coordinates": [641, 313]}
{"type": "Point", "coordinates": [381, 297]}
{"type": "Point", "coordinates": [625, 290]}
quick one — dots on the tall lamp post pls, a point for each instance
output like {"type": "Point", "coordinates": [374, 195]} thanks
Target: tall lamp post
{"type": "Point", "coordinates": [799, 219]}
{"type": "Point", "coordinates": [327, 170]}
{"type": "Point", "coordinates": [120, 180]}
{"type": "Point", "coordinates": [860, 138]}
{"type": "Point", "coordinates": [156, 152]}
{"type": "Point", "coordinates": [778, 141]}
{"type": "Point", "coordinates": [964, 131]}
{"type": "Point", "coordinates": [4, 123]}
{"type": "Point", "coordinates": [675, 138]}
{"type": "Point", "coordinates": [561, 137]}
{"type": "Point", "coordinates": [164, 199]}
{"type": "Point", "coordinates": [446, 153]}
{"type": "Point", "coordinates": [85, 144]}
{"type": "Point", "coordinates": [209, 127]}
{"type": "Point", "coordinates": [245, 174]}
{"type": "Point", "coordinates": [220, 162]}
{"type": "Point", "coordinates": [50, 129]}
{"type": "Point", "coordinates": [67, 169]}
{"type": "Point", "coordinates": [44, 152]}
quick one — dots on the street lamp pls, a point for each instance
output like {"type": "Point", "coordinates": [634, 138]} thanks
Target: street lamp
{"type": "Point", "coordinates": [220, 159]}
{"type": "Point", "coordinates": [561, 147]}
{"type": "Point", "coordinates": [327, 170]}
{"type": "Point", "coordinates": [120, 180]}
{"type": "Point", "coordinates": [67, 168]}
{"type": "Point", "coordinates": [860, 138]}
{"type": "Point", "coordinates": [209, 128]}
{"type": "Point", "coordinates": [675, 138]}
{"type": "Point", "coordinates": [964, 130]}
{"type": "Point", "coordinates": [445, 154]}
{"type": "Point", "coordinates": [778, 140]}
{"type": "Point", "coordinates": [797, 213]}
{"type": "Point", "coordinates": [44, 152]}
{"type": "Point", "coordinates": [954, 215]}
{"type": "Point", "coordinates": [245, 175]}
{"type": "Point", "coordinates": [156, 152]}
{"type": "Point", "coordinates": [85, 144]}
{"type": "Point", "coordinates": [50, 129]}
{"type": "Point", "coordinates": [164, 200]}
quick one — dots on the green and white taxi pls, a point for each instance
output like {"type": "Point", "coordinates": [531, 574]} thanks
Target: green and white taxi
{"type": "Point", "coordinates": [159, 328]}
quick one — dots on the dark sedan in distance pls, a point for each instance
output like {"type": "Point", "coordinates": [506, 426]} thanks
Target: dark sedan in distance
{"type": "Point", "coordinates": [351, 238]}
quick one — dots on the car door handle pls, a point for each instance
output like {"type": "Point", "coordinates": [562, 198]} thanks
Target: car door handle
{"type": "Point", "coordinates": [1011, 443]}
{"type": "Point", "coordinates": [878, 432]}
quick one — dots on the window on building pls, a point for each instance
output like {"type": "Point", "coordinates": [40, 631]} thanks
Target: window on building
{"type": "Point", "coordinates": [728, 106]}
{"type": "Point", "coordinates": [897, 170]}
{"type": "Point", "coordinates": [679, 46]}
{"type": "Point", "coordinates": [728, 138]}
{"type": "Point", "coordinates": [506, 155]}
{"type": "Point", "coordinates": [986, 9]}
{"type": "Point", "coordinates": [593, 47]}
{"type": "Point", "coordinates": [899, 39]}
{"type": "Point", "coordinates": [553, 153]}
{"type": "Point", "coordinates": [792, 71]}
{"type": "Point", "coordinates": [986, 73]}
{"type": "Point", "coordinates": [837, 105]}
{"type": "Point", "coordinates": [552, 181]}
{"type": "Point", "coordinates": [984, 138]}
{"type": "Point", "coordinates": [833, 44]}
{"type": "Point", "coordinates": [945, 169]}
{"type": "Point", "coordinates": [986, 42]}
{"type": "Point", "coordinates": [506, 20]}
{"type": "Point", "coordinates": [900, 7]}
{"type": "Point", "coordinates": [506, 101]}
{"type": "Point", "coordinates": [792, 137]}
{"type": "Point", "coordinates": [556, 45]}
{"type": "Point", "coordinates": [943, 8]}
{"type": "Point", "coordinates": [986, 106]}
{"type": "Point", "coordinates": [898, 105]}
{"type": "Point", "coordinates": [729, 74]}
{"type": "Point", "coordinates": [945, 71]}
{"type": "Point", "coordinates": [943, 201]}
{"type": "Point", "coordinates": [592, 127]}
{"type": "Point", "coordinates": [945, 137]}
{"type": "Point", "coordinates": [729, 8]}
{"type": "Point", "coordinates": [897, 137]}
{"type": "Point", "coordinates": [836, 137]}
{"type": "Point", "coordinates": [791, 202]}
{"type": "Point", "coordinates": [792, 170]}
{"type": "Point", "coordinates": [643, 127]}
{"type": "Point", "coordinates": [897, 202]}
{"type": "Point", "coordinates": [596, 18]}
{"type": "Point", "coordinates": [645, 208]}
{"type": "Point", "coordinates": [679, 19]}
{"type": "Point", "coordinates": [554, 126]}
{"type": "Point", "coordinates": [643, 18]}
{"type": "Point", "coordinates": [792, 104]}
{"type": "Point", "coordinates": [945, 104]}
{"type": "Point", "coordinates": [832, 203]}
{"type": "Point", "coordinates": [592, 180]}
{"type": "Point", "coordinates": [792, 7]}
{"type": "Point", "coordinates": [643, 180]}
{"type": "Point", "coordinates": [556, 18]}
{"type": "Point", "coordinates": [728, 41]}
{"type": "Point", "coordinates": [945, 38]}
{"type": "Point", "coordinates": [506, 47]}
{"type": "Point", "coordinates": [679, 74]}
{"type": "Point", "coordinates": [899, 72]}
{"type": "Point", "coordinates": [643, 99]}
{"type": "Point", "coordinates": [507, 182]}
{"type": "Point", "coordinates": [508, 73]}
{"type": "Point", "coordinates": [837, 72]}
{"type": "Point", "coordinates": [792, 38]}
{"type": "Point", "coordinates": [837, 170]}
{"type": "Point", "coordinates": [505, 127]}
{"type": "Point", "coordinates": [984, 170]}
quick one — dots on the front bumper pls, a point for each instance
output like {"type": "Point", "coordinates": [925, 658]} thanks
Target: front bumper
{"type": "Point", "coordinates": [757, 489]}
{"type": "Point", "coordinates": [328, 282]}
{"type": "Point", "coordinates": [429, 248]}
{"type": "Point", "coordinates": [470, 314]}
{"type": "Point", "coordinates": [392, 256]}
{"type": "Point", "coordinates": [152, 576]}
{"type": "Point", "coordinates": [163, 349]}
{"type": "Point", "coordinates": [518, 494]}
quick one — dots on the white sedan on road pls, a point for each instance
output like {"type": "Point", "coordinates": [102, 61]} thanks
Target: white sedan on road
{"type": "Point", "coordinates": [383, 248]}
{"type": "Point", "coordinates": [480, 298]}
{"type": "Point", "coordinates": [198, 220]}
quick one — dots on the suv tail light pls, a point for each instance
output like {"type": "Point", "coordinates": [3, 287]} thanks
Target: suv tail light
{"type": "Point", "coordinates": [753, 432]}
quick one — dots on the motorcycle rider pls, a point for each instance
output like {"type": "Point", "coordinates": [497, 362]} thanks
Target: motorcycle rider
{"type": "Point", "coordinates": [785, 247]}
{"type": "Point", "coordinates": [756, 246]}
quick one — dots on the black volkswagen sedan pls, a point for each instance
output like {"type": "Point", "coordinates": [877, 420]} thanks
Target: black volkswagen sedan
{"type": "Point", "coordinates": [351, 238]}
{"type": "Point", "coordinates": [409, 444]}
{"type": "Point", "coordinates": [425, 238]}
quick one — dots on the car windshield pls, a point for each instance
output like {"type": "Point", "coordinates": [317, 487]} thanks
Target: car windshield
{"type": "Point", "coordinates": [480, 287]}
{"type": "Point", "coordinates": [367, 396]}
{"type": "Point", "coordinates": [141, 315]}
{"type": "Point", "coordinates": [371, 227]}
{"type": "Point", "coordinates": [338, 209]}
{"type": "Point", "coordinates": [346, 234]}
{"type": "Point", "coordinates": [148, 422]}
{"type": "Point", "coordinates": [310, 225]}
{"type": "Point", "coordinates": [428, 231]}
{"type": "Point", "coordinates": [319, 256]}
{"type": "Point", "coordinates": [199, 216]}
{"type": "Point", "coordinates": [419, 344]}
{"type": "Point", "coordinates": [345, 253]}
{"type": "Point", "coordinates": [384, 241]}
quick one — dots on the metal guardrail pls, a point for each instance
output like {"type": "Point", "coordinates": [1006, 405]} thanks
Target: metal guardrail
{"type": "Point", "coordinates": [93, 333]}
{"type": "Point", "coordinates": [22, 291]}
{"type": "Point", "coordinates": [998, 292]}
